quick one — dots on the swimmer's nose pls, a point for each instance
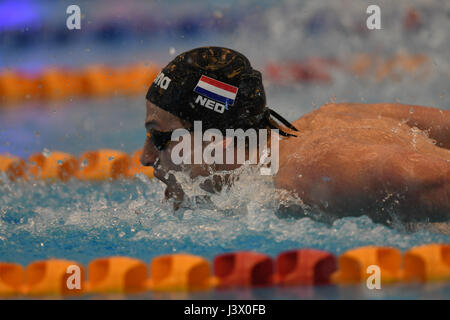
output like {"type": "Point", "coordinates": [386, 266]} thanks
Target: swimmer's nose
{"type": "Point", "coordinates": [149, 155]}
{"type": "Point", "coordinates": [147, 160]}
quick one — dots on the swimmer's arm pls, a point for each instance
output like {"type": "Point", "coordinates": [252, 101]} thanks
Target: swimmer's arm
{"type": "Point", "coordinates": [433, 120]}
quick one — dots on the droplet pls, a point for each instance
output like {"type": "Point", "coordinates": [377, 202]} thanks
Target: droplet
{"type": "Point", "coordinates": [46, 153]}
{"type": "Point", "coordinates": [218, 14]}
{"type": "Point", "coordinates": [111, 158]}
{"type": "Point", "coordinates": [60, 162]}
{"type": "Point", "coordinates": [84, 163]}
{"type": "Point", "coordinates": [172, 51]}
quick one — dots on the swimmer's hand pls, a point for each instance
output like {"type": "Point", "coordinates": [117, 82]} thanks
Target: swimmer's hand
{"type": "Point", "coordinates": [176, 195]}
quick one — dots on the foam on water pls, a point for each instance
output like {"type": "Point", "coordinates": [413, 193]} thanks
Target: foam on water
{"type": "Point", "coordinates": [84, 220]}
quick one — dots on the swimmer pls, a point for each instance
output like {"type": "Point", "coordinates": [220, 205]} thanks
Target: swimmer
{"type": "Point", "coordinates": [346, 159]}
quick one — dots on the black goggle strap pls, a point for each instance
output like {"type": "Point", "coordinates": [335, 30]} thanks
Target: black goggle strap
{"type": "Point", "coordinates": [283, 121]}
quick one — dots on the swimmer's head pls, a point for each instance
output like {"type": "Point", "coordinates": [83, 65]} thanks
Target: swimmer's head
{"type": "Point", "coordinates": [215, 85]}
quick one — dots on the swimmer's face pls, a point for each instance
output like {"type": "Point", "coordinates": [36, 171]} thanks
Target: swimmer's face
{"type": "Point", "coordinates": [157, 152]}
{"type": "Point", "coordinates": [159, 157]}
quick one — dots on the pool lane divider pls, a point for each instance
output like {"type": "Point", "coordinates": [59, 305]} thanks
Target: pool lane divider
{"type": "Point", "coordinates": [427, 263]}
{"type": "Point", "coordinates": [98, 165]}
{"type": "Point", "coordinates": [353, 265]}
{"type": "Point", "coordinates": [242, 269]}
{"type": "Point", "coordinates": [305, 267]}
{"type": "Point", "coordinates": [56, 84]}
{"type": "Point", "coordinates": [181, 272]}
{"type": "Point", "coordinates": [13, 167]}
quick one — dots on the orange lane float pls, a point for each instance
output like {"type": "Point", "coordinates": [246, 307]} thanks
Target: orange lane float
{"type": "Point", "coordinates": [427, 263]}
{"type": "Point", "coordinates": [244, 269]}
{"type": "Point", "coordinates": [12, 277]}
{"type": "Point", "coordinates": [181, 272]}
{"type": "Point", "coordinates": [305, 267]}
{"type": "Point", "coordinates": [54, 277]}
{"type": "Point", "coordinates": [135, 79]}
{"type": "Point", "coordinates": [59, 84]}
{"type": "Point", "coordinates": [13, 167]}
{"type": "Point", "coordinates": [117, 275]}
{"type": "Point", "coordinates": [17, 86]}
{"type": "Point", "coordinates": [354, 265]}
{"type": "Point", "coordinates": [53, 166]}
{"type": "Point", "coordinates": [104, 164]}
{"type": "Point", "coordinates": [98, 81]}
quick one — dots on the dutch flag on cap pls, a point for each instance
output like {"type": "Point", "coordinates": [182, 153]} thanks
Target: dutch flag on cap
{"type": "Point", "coordinates": [216, 90]}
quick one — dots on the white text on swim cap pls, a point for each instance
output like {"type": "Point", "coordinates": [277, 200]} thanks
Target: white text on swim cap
{"type": "Point", "coordinates": [162, 81]}
{"type": "Point", "coordinates": [210, 104]}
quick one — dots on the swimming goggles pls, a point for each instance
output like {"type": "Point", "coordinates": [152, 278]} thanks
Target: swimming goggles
{"type": "Point", "coordinates": [159, 139]}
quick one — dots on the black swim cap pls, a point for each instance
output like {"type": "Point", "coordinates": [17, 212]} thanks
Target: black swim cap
{"type": "Point", "coordinates": [214, 85]}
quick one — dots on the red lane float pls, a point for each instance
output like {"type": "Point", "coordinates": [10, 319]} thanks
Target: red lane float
{"type": "Point", "coordinates": [244, 269]}
{"type": "Point", "coordinates": [313, 70]}
{"type": "Point", "coordinates": [305, 267]}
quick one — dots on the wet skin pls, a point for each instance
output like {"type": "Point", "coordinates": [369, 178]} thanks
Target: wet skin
{"type": "Point", "coordinates": [349, 159]}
